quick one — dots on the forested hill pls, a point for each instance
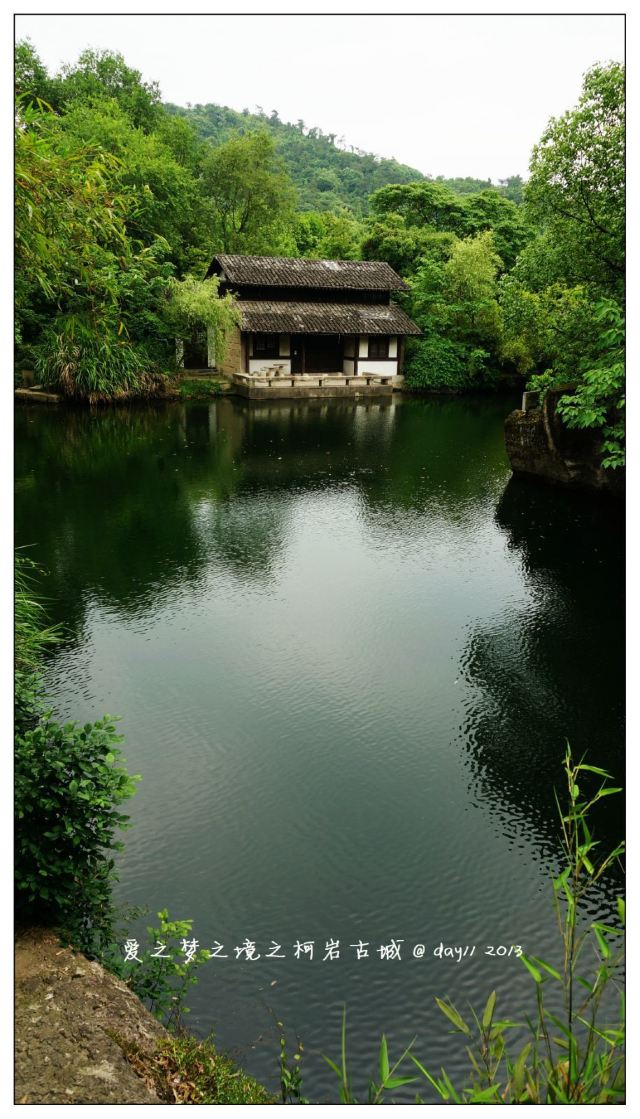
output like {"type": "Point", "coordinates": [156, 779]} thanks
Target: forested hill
{"type": "Point", "coordinates": [328, 175]}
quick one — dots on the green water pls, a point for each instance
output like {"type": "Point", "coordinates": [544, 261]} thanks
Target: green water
{"type": "Point", "coordinates": [347, 648]}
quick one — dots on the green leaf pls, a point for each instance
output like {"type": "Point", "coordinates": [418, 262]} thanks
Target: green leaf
{"type": "Point", "coordinates": [427, 1075]}
{"type": "Point", "coordinates": [621, 909]}
{"type": "Point", "coordinates": [488, 1010]}
{"type": "Point", "coordinates": [547, 967]}
{"type": "Point", "coordinates": [384, 1059]}
{"type": "Point", "coordinates": [531, 968]}
{"type": "Point", "coordinates": [602, 943]}
{"type": "Point", "coordinates": [398, 1081]}
{"type": "Point", "coordinates": [453, 1016]}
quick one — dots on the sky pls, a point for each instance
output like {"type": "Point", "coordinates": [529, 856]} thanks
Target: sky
{"type": "Point", "coordinates": [449, 95]}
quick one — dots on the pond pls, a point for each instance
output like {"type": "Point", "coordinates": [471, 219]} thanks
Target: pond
{"type": "Point", "coordinates": [347, 648]}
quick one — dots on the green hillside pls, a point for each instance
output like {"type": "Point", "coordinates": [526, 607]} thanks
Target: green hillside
{"type": "Point", "coordinates": [328, 176]}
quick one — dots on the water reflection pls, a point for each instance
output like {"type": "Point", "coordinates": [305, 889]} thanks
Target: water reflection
{"type": "Point", "coordinates": [346, 650]}
{"type": "Point", "coordinates": [532, 669]}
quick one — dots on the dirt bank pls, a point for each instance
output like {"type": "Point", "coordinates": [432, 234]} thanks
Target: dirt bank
{"type": "Point", "coordinates": [69, 1013]}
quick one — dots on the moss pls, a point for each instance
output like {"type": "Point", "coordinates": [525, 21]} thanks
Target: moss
{"type": "Point", "coordinates": [198, 387]}
{"type": "Point", "coordinates": [184, 1070]}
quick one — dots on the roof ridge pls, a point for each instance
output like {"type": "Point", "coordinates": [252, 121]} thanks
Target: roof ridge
{"type": "Point", "coordinates": [287, 271]}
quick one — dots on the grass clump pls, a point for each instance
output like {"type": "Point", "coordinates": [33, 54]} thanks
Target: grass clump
{"type": "Point", "coordinates": [184, 1070]}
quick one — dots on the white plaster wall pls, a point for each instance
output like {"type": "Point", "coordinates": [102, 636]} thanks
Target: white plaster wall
{"type": "Point", "coordinates": [393, 346]}
{"type": "Point", "coordinates": [348, 366]}
{"type": "Point", "coordinates": [386, 368]}
{"type": "Point", "coordinates": [259, 363]}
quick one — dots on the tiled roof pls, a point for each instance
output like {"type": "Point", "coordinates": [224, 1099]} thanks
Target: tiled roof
{"type": "Point", "coordinates": [280, 271]}
{"type": "Point", "coordinates": [324, 318]}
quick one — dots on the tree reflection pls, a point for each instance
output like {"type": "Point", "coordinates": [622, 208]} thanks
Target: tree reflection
{"type": "Point", "coordinates": [531, 671]}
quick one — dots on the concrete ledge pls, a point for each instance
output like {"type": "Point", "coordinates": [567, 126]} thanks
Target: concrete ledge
{"type": "Point", "coordinates": [310, 386]}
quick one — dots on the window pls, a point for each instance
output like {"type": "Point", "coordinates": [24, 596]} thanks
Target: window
{"type": "Point", "coordinates": [379, 347]}
{"type": "Point", "coordinates": [266, 345]}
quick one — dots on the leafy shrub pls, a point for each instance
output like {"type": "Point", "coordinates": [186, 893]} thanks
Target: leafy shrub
{"type": "Point", "coordinates": [68, 784]}
{"type": "Point", "coordinates": [161, 981]}
{"type": "Point", "coordinates": [438, 363]}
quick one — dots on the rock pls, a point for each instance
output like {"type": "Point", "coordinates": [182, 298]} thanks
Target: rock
{"type": "Point", "coordinates": [71, 1056]}
{"type": "Point", "coordinates": [538, 444]}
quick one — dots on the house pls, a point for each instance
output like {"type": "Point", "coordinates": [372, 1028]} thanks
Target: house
{"type": "Point", "coordinates": [302, 318]}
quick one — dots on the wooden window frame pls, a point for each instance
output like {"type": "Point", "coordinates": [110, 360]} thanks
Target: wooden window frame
{"type": "Point", "coordinates": [270, 351]}
{"type": "Point", "coordinates": [376, 341]}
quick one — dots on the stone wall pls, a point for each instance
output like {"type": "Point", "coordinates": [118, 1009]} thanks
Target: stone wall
{"type": "Point", "coordinates": [539, 444]}
{"type": "Point", "coordinates": [232, 361]}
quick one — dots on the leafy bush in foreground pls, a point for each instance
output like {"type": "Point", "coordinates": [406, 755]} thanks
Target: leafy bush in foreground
{"type": "Point", "coordinates": [68, 786]}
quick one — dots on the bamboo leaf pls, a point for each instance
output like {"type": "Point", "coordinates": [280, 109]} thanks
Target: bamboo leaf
{"type": "Point", "coordinates": [384, 1059]}
{"type": "Point", "coordinates": [531, 968]}
{"type": "Point", "coordinates": [488, 1010]}
{"type": "Point", "coordinates": [427, 1075]}
{"type": "Point", "coordinates": [621, 909]}
{"type": "Point", "coordinates": [453, 1016]}
{"type": "Point", "coordinates": [398, 1081]}
{"type": "Point", "coordinates": [547, 967]}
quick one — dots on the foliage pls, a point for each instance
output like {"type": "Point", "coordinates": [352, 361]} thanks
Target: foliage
{"type": "Point", "coordinates": [387, 1082]}
{"type": "Point", "coordinates": [106, 212]}
{"type": "Point", "coordinates": [569, 280]}
{"type": "Point", "coordinates": [32, 82]}
{"type": "Point", "coordinates": [598, 401]}
{"type": "Point", "coordinates": [68, 785]}
{"type": "Point", "coordinates": [454, 302]}
{"type": "Point", "coordinates": [326, 236]}
{"type": "Point", "coordinates": [329, 175]}
{"type": "Point", "coordinates": [193, 304]}
{"type": "Point", "coordinates": [83, 364]}
{"type": "Point", "coordinates": [184, 1070]}
{"type": "Point", "coordinates": [198, 388]}
{"type": "Point", "coordinates": [577, 175]}
{"type": "Point", "coordinates": [104, 74]}
{"type": "Point", "coordinates": [251, 198]}
{"type": "Point", "coordinates": [290, 1073]}
{"type": "Point", "coordinates": [161, 981]}
{"type": "Point", "coordinates": [438, 363]}
{"type": "Point", "coordinates": [31, 638]}
{"type": "Point", "coordinates": [550, 328]}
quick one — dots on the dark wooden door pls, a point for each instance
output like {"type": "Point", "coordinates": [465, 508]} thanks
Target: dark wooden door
{"type": "Point", "coordinates": [297, 353]}
{"type": "Point", "coordinates": [323, 353]}
{"type": "Point", "coordinates": [195, 352]}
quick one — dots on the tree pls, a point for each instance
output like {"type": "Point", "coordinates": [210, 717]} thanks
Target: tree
{"type": "Point", "coordinates": [490, 210]}
{"type": "Point", "coordinates": [327, 236]}
{"type": "Point", "coordinates": [250, 195]}
{"type": "Point", "coordinates": [470, 290]}
{"type": "Point", "coordinates": [32, 81]}
{"type": "Point", "coordinates": [569, 280]}
{"type": "Point", "coordinates": [576, 188]}
{"type": "Point", "coordinates": [194, 304]}
{"type": "Point", "coordinates": [100, 75]}
{"type": "Point", "coordinates": [425, 203]}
